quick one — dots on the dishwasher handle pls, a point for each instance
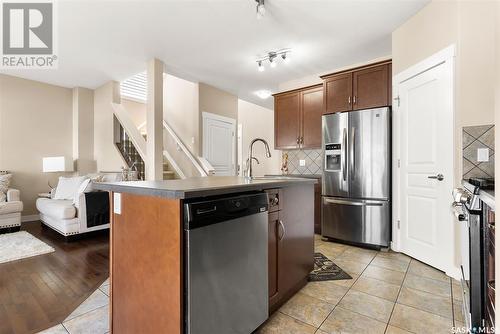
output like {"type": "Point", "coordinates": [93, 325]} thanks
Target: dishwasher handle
{"type": "Point", "coordinates": [200, 213]}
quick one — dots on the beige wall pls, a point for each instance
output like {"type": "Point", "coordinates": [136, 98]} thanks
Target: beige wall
{"type": "Point", "coordinates": [35, 122]}
{"type": "Point", "coordinates": [430, 30]}
{"type": "Point", "coordinates": [258, 122]}
{"type": "Point", "coordinates": [181, 110]}
{"type": "Point", "coordinates": [470, 26]}
{"type": "Point", "coordinates": [315, 79]}
{"type": "Point", "coordinates": [216, 101]}
{"type": "Point", "coordinates": [83, 130]}
{"type": "Point", "coordinates": [105, 153]}
{"type": "Point", "coordinates": [497, 137]}
{"type": "Point", "coordinates": [137, 112]}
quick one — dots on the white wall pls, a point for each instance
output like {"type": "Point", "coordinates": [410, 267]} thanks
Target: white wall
{"type": "Point", "coordinates": [258, 122]}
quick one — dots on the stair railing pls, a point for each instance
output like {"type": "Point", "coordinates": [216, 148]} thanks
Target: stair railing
{"type": "Point", "coordinates": [203, 170]}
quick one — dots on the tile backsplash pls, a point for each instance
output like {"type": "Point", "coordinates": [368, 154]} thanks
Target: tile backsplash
{"type": "Point", "coordinates": [313, 161]}
{"type": "Point", "coordinates": [474, 138]}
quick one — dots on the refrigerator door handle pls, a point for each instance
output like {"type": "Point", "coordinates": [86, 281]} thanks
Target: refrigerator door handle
{"type": "Point", "coordinates": [351, 153]}
{"type": "Point", "coordinates": [353, 203]}
{"type": "Point", "coordinates": [344, 155]}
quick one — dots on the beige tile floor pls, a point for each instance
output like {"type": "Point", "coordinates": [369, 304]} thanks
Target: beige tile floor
{"type": "Point", "coordinates": [389, 293]}
{"type": "Point", "coordinates": [91, 317]}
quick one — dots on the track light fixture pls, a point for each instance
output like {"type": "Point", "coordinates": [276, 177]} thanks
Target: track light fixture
{"type": "Point", "coordinates": [273, 58]}
{"type": "Point", "coordinates": [261, 10]}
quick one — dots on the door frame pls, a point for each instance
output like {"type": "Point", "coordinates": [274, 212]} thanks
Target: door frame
{"type": "Point", "coordinates": [444, 57]}
{"type": "Point", "coordinates": [205, 116]}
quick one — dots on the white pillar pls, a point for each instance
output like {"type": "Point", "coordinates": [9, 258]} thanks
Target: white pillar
{"type": "Point", "coordinates": [154, 121]}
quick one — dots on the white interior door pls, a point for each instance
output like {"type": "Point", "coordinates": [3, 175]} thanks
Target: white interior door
{"type": "Point", "coordinates": [426, 125]}
{"type": "Point", "coordinates": [219, 142]}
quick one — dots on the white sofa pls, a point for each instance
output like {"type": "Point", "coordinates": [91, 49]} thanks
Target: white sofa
{"type": "Point", "coordinates": [65, 217]}
{"type": "Point", "coordinates": [10, 211]}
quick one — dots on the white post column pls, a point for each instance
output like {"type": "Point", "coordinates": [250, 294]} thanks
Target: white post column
{"type": "Point", "coordinates": [154, 121]}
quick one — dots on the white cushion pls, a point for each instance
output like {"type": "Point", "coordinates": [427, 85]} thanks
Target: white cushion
{"type": "Point", "coordinates": [56, 208]}
{"type": "Point", "coordinates": [83, 188]}
{"type": "Point", "coordinates": [67, 187]}
{"type": "Point", "coordinates": [11, 207]}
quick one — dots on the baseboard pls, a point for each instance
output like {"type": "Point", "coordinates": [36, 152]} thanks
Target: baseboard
{"type": "Point", "coordinates": [30, 218]}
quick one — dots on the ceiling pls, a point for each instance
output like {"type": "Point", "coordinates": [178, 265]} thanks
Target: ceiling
{"type": "Point", "coordinates": [218, 41]}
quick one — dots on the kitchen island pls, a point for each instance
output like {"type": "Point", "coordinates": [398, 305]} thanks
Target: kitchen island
{"type": "Point", "coordinates": [148, 262]}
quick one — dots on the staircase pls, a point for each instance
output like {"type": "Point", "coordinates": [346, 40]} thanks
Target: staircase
{"type": "Point", "coordinates": [178, 161]}
{"type": "Point", "coordinates": [168, 174]}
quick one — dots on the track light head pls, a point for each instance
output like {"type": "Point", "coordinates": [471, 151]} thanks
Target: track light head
{"type": "Point", "coordinates": [261, 9]}
{"type": "Point", "coordinates": [286, 57]}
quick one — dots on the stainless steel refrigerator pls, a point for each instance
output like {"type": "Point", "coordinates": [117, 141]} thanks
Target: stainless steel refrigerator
{"type": "Point", "coordinates": [356, 201]}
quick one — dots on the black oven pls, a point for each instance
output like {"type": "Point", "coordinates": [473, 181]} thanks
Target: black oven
{"type": "Point", "coordinates": [477, 249]}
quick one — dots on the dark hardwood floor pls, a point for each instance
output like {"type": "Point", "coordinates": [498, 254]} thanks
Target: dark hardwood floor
{"type": "Point", "coordinates": [39, 292]}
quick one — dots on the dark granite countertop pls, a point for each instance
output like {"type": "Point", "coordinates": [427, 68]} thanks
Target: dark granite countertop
{"type": "Point", "coordinates": [199, 186]}
{"type": "Point", "coordinates": [302, 176]}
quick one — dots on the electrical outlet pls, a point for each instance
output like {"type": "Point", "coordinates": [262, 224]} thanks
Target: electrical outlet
{"type": "Point", "coordinates": [302, 163]}
{"type": "Point", "coordinates": [483, 154]}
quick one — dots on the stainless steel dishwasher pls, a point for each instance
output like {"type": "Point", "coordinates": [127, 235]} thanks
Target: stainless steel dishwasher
{"type": "Point", "coordinates": [226, 246]}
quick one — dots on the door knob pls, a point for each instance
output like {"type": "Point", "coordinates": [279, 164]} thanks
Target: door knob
{"type": "Point", "coordinates": [439, 177]}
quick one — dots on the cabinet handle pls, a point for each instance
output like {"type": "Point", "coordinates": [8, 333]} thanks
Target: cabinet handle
{"type": "Point", "coordinates": [354, 99]}
{"type": "Point", "coordinates": [275, 201]}
{"type": "Point", "coordinates": [349, 100]}
{"type": "Point", "coordinates": [282, 228]}
{"type": "Point", "coordinates": [298, 140]}
{"type": "Point", "coordinates": [302, 140]}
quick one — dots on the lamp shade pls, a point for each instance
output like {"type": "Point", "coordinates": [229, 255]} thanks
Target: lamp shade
{"type": "Point", "coordinates": [57, 164]}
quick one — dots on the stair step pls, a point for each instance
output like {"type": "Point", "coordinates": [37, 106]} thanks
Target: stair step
{"type": "Point", "coordinates": [168, 175]}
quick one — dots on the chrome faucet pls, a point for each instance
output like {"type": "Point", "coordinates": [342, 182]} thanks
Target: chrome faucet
{"type": "Point", "coordinates": [251, 157]}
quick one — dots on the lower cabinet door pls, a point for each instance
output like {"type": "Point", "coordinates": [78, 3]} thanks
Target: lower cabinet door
{"type": "Point", "coordinates": [273, 254]}
{"type": "Point", "coordinates": [297, 239]}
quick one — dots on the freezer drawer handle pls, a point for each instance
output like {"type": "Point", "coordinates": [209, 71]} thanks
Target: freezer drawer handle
{"type": "Point", "coordinates": [339, 201]}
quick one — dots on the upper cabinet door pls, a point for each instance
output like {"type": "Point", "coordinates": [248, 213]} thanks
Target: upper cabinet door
{"type": "Point", "coordinates": [371, 87]}
{"type": "Point", "coordinates": [312, 110]}
{"type": "Point", "coordinates": [287, 120]}
{"type": "Point", "coordinates": [338, 93]}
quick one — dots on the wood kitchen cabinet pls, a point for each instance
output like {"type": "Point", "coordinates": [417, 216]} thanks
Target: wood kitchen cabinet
{"type": "Point", "coordinates": [287, 120]}
{"type": "Point", "coordinates": [338, 93]}
{"type": "Point", "coordinates": [312, 110]}
{"type": "Point", "coordinates": [291, 242]}
{"type": "Point", "coordinates": [370, 87]}
{"type": "Point", "coordinates": [297, 118]}
{"type": "Point", "coordinates": [361, 88]}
